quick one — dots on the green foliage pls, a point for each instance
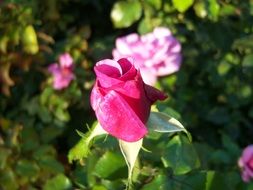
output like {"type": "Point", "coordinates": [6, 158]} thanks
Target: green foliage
{"type": "Point", "coordinates": [59, 182]}
{"type": "Point", "coordinates": [211, 95]}
{"type": "Point", "coordinates": [109, 165]}
{"type": "Point", "coordinates": [180, 155]}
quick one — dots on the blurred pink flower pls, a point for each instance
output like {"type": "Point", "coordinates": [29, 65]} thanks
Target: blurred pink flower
{"type": "Point", "coordinates": [121, 100]}
{"type": "Point", "coordinates": [155, 54]}
{"type": "Point", "coordinates": [246, 163]}
{"type": "Point", "coordinates": [62, 72]}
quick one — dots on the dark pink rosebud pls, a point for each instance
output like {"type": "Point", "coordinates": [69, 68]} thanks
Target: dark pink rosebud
{"type": "Point", "coordinates": [121, 100]}
{"type": "Point", "coordinates": [246, 163]}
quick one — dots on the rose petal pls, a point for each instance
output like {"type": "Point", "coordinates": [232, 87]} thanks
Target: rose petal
{"type": "Point", "coordinates": [108, 71]}
{"type": "Point", "coordinates": [62, 80]}
{"type": "Point", "coordinates": [96, 97]}
{"type": "Point", "coordinates": [122, 43]}
{"type": "Point", "coordinates": [65, 60]}
{"type": "Point", "coordinates": [148, 76]}
{"type": "Point", "coordinates": [118, 119]}
{"type": "Point", "coordinates": [54, 68]}
{"type": "Point", "coordinates": [161, 32]}
{"type": "Point", "coordinates": [129, 71]}
{"type": "Point", "coordinates": [153, 94]}
{"type": "Point", "coordinates": [171, 65]}
{"type": "Point", "coordinates": [247, 154]}
{"type": "Point", "coordinates": [245, 176]}
{"type": "Point", "coordinates": [134, 94]}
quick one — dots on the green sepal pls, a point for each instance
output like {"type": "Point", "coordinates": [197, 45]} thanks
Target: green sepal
{"type": "Point", "coordinates": [82, 148]}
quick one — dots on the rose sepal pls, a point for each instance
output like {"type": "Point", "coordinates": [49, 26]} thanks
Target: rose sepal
{"type": "Point", "coordinates": [130, 151]}
{"type": "Point", "coordinates": [82, 148]}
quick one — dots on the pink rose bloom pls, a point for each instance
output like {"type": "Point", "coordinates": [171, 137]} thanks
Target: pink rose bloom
{"type": "Point", "coordinates": [155, 54]}
{"type": "Point", "coordinates": [246, 163]}
{"type": "Point", "coordinates": [121, 100]}
{"type": "Point", "coordinates": [62, 72]}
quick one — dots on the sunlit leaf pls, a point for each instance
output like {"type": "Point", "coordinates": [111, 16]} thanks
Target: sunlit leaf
{"type": "Point", "coordinates": [182, 5]}
{"type": "Point", "coordinates": [29, 40]}
{"type": "Point", "coordinates": [59, 182]}
{"type": "Point", "coordinates": [155, 3]}
{"type": "Point", "coordinates": [125, 13]}
{"type": "Point", "coordinates": [4, 43]}
{"type": "Point", "coordinates": [200, 9]}
{"type": "Point", "coordinates": [214, 9]}
{"type": "Point", "coordinates": [160, 122]}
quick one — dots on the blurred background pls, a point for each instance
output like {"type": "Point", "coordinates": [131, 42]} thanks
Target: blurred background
{"type": "Point", "coordinates": [211, 94]}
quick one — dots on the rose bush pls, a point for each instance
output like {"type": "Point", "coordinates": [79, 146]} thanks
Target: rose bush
{"type": "Point", "coordinates": [62, 72]}
{"type": "Point", "coordinates": [155, 54]}
{"type": "Point", "coordinates": [246, 163]}
{"type": "Point", "coordinates": [121, 100]}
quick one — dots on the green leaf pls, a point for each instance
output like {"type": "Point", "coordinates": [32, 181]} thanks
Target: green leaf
{"type": "Point", "coordinates": [180, 155]}
{"type": "Point", "coordinates": [215, 181]}
{"type": "Point", "coordinates": [26, 168]}
{"type": "Point", "coordinates": [227, 10]}
{"type": "Point", "coordinates": [4, 43]}
{"type": "Point", "coordinates": [192, 181]}
{"type": "Point", "coordinates": [50, 133]}
{"type": "Point", "coordinates": [125, 13]}
{"type": "Point", "coordinates": [59, 182]}
{"type": "Point", "coordinates": [29, 40]}
{"type": "Point", "coordinates": [200, 9]}
{"type": "Point", "coordinates": [4, 154]}
{"type": "Point", "coordinates": [161, 122]}
{"type": "Point", "coordinates": [248, 61]}
{"type": "Point", "coordinates": [182, 5]}
{"type": "Point", "coordinates": [231, 146]}
{"type": "Point", "coordinates": [155, 3]}
{"type": "Point", "coordinates": [30, 139]}
{"type": "Point", "coordinates": [82, 148]}
{"type": "Point", "coordinates": [8, 180]}
{"type": "Point", "coordinates": [214, 9]}
{"type": "Point", "coordinates": [223, 68]}
{"type": "Point", "coordinates": [130, 151]}
{"type": "Point", "coordinates": [50, 164]}
{"type": "Point", "coordinates": [110, 165]}
{"type": "Point", "coordinates": [157, 182]}
{"type": "Point", "coordinates": [99, 187]}
{"type": "Point", "coordinates": [145, 26]}
{"type": "Point", "coordinates": [44, 150]}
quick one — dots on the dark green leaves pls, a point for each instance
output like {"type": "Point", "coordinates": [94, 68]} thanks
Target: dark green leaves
{"type": "Point", "coordinates": [59, 182]}
{"type": "Point", "coordinates": [110, 165]}
{"type": "Point", "coordinates": [180, 155]}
